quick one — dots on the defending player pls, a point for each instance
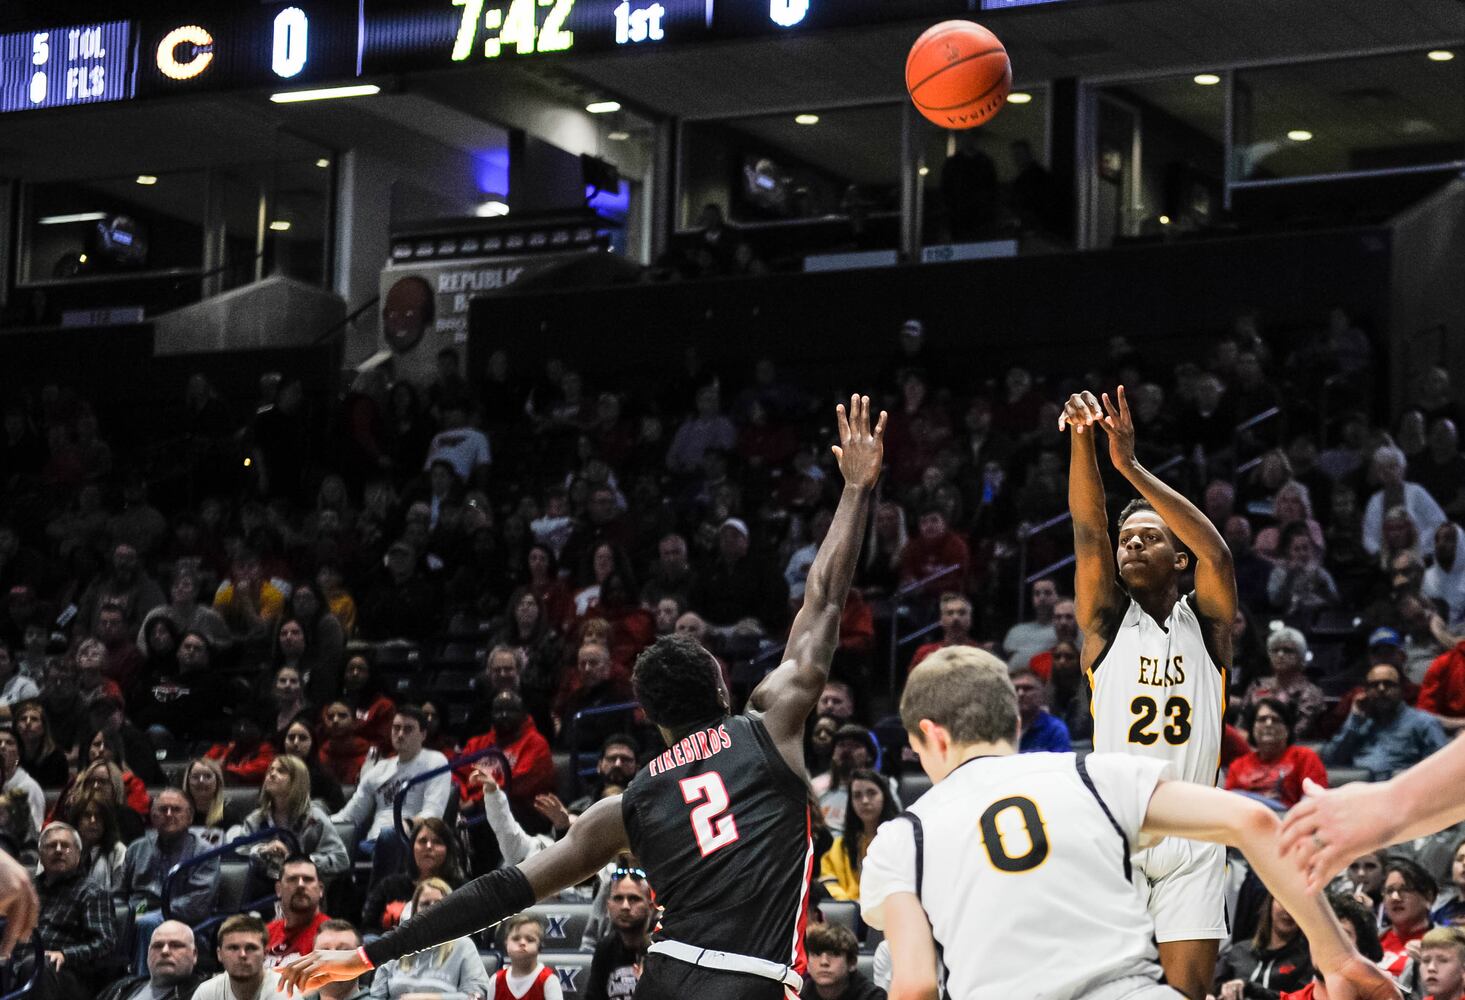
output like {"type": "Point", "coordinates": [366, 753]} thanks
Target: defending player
{"type": "Point", "coordinates": [1156, 661]}
{"type": "Point", "coordinates": [720, 822]}
{"type": "Point", "coordinates": [1019, 863]}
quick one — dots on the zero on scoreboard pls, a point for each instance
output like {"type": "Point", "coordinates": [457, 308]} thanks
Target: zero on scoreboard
{"type": "Point", "coordinates": [56, 67]}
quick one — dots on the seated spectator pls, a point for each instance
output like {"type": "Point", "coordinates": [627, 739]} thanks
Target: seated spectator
{"type": "Point", "coordinates": [284, 804]}
{"type": "Point", "coordinates": [126, 587]}
{"type": "Point", "coordinates": [872, 803]}
{"type": "Point", "coordinates": [246, 756]}
{"type": "Point", "coordinates": [463, 447]}
{"type": "Point", "coordinates": [183, 703]}
{"type": "Point", "coordinates": [187, 614]}
{"type": "Point", "coordinates": [14, 686]}
{"type": "Point", "coordinates": [102, 849]}
{"type": "Point", "coordinates": [241, 951]}
{"type": "Point", "coordinates": [323, 649]}
{"type": "Point", "coordinates": [523, 940]}
{"type": "Point", "coordinates": [147, 863]}
{"type": "Point", "coordinates": [1292, 504]}
{"type": "Point", "coordinates": [122, 660]}
{"type": "Point", "coordinates": [249, 604]}
{"type": "Point", "coordinates": [836, 700]}
{"type": "Point", "coordinates": [935, 548]}
{"type": "Point", "coordinates": [1299, 584]}
{"type": "Point", "coordinates": [834, 954]}
{"type": "Point", "coordinates": [400, 602]}
{"type": "Point", "coordinates": [1287, 654]}
{"type": "Point", "coordinates": [40, 755]}
{"type": "Point", "coordinates": [299, 892]}
{"type": "Point", "coordinates": [1065, 630]}
{"type": "Point", "coordinates": [1361, 930]}
{"type": "Point", "coordinates": [435, 854]}
{"type": "Point", "coordinates": [75, 922]}
{"type": "Point", "coordinates": [617, 766]}
{"type": "Point", "coordinates": [299, 741]}
{"type": "Point", "coordinates": [1275, 958]}
{"type": "Point", "coordinates": [103, 780]}
{"type": "Point", "coordinates": [1450, 903]}
{"type": "Point", "coordinates": [956, 627]}
{"type": "Point", "coordinates": [127, 746]}
{"type": "Point", "coordinates": [1442, 963]}
{"type": "Point", "coordinates": [342, 753]}
{"type": "Point", "coordinates": [1444, 581]}
{"type": "Point", "coordinates": [1409, 892]}
{"type": "Point", "coordinates": [338, 599]}
{"type": "Point", "coordinates": [1276, 768]}
{"type": "Point", "coordinates": [1389, 465]}
{"type": "Point", "coordinates": [340, 935]}
{"type": "Point", "coordinates": [616, 967]}
{"type": "Point", "coordinates": [286, 698]}
{"type": "Point", "coordinates": [451, 969]}
{"type": "Point", "coordinates": [371, 710]}
{"type": "Point", "coordinates": [1042, 732]}
{"type": "Point", "coordinates": [1252, 570]}
{"type": "Point", "coordinates": [371, 808]}
{"type": "Point", "coordinates": [15, 781]}
{"type": "Point", "coordinates": [530, 761]}
{"type": "Point", "coordinates": [437, 738]}
{"type": "Point", "coordinates": [529, 631]}
{"type": "Point", "coordinates": [672, 574]}
{"type": "Point", "coordinates": [854, 750]}
{"type": "Point", "coordinates": [1382, 734]}
{"type": "Point", "coordinates": [593, 684]}
{"type": "Point", "coordinates": [1442, 692]}
{"type": "Point", "coordinates": [18, 826]}
{"type": "Point", "coordinates": [1068, 690]}
{"type": "Point", "coordinates": [100, 766]}
{"type": "Point", "coordinates": [172, 958]}
{"type": "Point", "coordinates": [203, 783]}
{"type": "Point", "coordinates": [741, 585]}
{"type": "Point", "coordinates": [511, 843]}
{"type": "Point", "coordinates": [1027, 639]}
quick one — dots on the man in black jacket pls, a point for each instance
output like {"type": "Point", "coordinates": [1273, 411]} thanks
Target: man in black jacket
{"type": "Point", "coordinates": [172, 957]}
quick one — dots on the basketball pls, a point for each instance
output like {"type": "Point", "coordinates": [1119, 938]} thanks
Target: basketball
{"type": "Point", "coordinates": [958, 74]}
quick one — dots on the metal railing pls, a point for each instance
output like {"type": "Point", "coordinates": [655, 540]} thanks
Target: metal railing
{"type": "Point", "coordinates": [899, 609]}
{"type": "Point", "coordinates": [572, 731]}
{"type": "Point", "coordinates": [1239, 468]}
{"type": "Point", "coordinates": [268, 833]}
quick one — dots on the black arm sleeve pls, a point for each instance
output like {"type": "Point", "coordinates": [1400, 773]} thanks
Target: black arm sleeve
{"type": "Point", "coordinates": [479, 904]}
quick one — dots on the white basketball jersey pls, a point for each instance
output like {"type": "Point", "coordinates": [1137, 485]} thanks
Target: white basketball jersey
{"type": "Point", "coordinates": [1158, 693]}
{"type": "Point", "coordinates": [1022, 865]}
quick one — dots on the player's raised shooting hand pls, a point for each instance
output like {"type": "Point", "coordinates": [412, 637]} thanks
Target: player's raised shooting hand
{"type": "Point", "coordinates": [1080, 412]}
{"type": "Point", "coordinates": [1120, 426]}
{"type": "Point", "coordinates": [311, 972]}
{"type": "Point", "coordinates": [861, 449]}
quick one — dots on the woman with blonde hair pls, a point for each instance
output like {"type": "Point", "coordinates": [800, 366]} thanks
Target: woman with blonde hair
{"type": "Point", "coordinates": [451, 971]}
{"type": "Point", "coordinates": [1292, 505]}
{"type": "Point", "coordinates": [102, 779]}
{"type": "Point", "coordinates": [203, 783]}
{"type": "Point", "coordinates": [284, 804]}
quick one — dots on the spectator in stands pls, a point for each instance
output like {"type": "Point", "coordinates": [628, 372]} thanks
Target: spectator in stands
{"type": "Point", "coordinates": [339, 935]}
{"type": "Point", "coordinates": [242, 949]}
{"type": "Point", "coordinates": [525, 974]}
{"type": "Point", "coordinates": [203, 783]}
{"type": "Point", "coordinates": [1389, 467]}
{"type": "Point", "coordinates": [1382, 734]}
{"type": "Point", "coordinates": [616, 766]}
{"type": "Point", "coordinates": [338, 599]}
{"type": "Point", "coordinates": [61, 697]}
{"type": "Point", "coordinates": [299, 892]}
{"type": "Point", "coordinates": [1068, 690]}
{"type": "Point", "coordinates": [1277, 767]}
{"type": "Point", "coordinates": [1065, 630]}
{"type": "Point", "coordinates": [872, 803]}
{"type": "Point", "coordinates": [1042, 732]}
{"type": "Point", "coordinates": [956, 627]}
{"type": "Point", "coordinates": [616, 967]}
{"type": "Point", "coordinates": [705, 430]}
{"type": "Point", "coordinates": [102, 749]}
{"type": "Point", "coordinates": [1442, 692]}
{"type": "Point", "coordinates": [1299, 585]}
{"type": "Point", "coordinates": [451, 969]}
{"type": "Point", "coordinates": [1275, 958]}
{"type": "Point", "coordinates": [1291, 505]}
{"type": "Point", "coordinates": [284, 804]}
{"type": "Point", "coordinates": [127, 586]}
{"type": "Point", "coordinates": [1441, 469]}
{"type": "Point", "coordinates": [249, 603]}
{"type": "Point", "coordinates": [172, 958]}
{"type": "Point", "coordinates": [122, 661]}
{"type": "Point", "coordinates": [672, 574]}
{"type": "Point", "coordinates": [102, 850]}
{"type": "Point", "coordinates": [400, 603]}
{"type": "Point", "coordinates": [15, 780]}
{"type": "Point", "coordinates": [323, 642]}
{"type": "Point", "coordinates": [246, 756]}
{"type": "Point", "coordinates": [435, 854]}
{"type": "Point", "coordinates": [1421, 643]}
{"type": "Point", "coordinates": [593, 684]}
{"type": "Point", "coordinates": [934, 549]}
{"type": "Point", "coordinates": [1359, 927]}
{"type": "Point", "coordinates": [834, 954]}
{"type": "Point", "coordinates": [854, 750]}
{"type": "Point", "coordinates": [1409, 892]}
{"type": "Point", "coordinates": [370, 810]}
{"type": "Point", "coordinates": [371, 711]}
{"type": "Point", "coordinates": [1252, 571]}
{"type": "Point", "coordinates": [739, 585]}
{"type": "Point", "coordinates": [287, 695]}
{"type": "Point", "coordinates": [1442, 963]}
{"type": "Point", "coordinates": [184, 703]}
{"type": "Point", "coordinates": [149, 859]}
{"type": "Point", "coordinates": [299, 741]}
{"type": "Point", "coordinates": [75, 924]}
{"type": "Point", "coordinates": [1450, 903]}
{"type": "Point", "coordinates": [1287, 655]}
{"type": "Point", "coordinates": [14, 686]}
{"type": "Point", "coordinates": [1027, 639]}
{"type": "Point", "coordinates": [879, 570]}
{"type": "Point", "coordinates": [40, 755]}
{"type": "Point", "coordinates": [837, 700]}
{"type": "Point", "coordinates": [342, 753]}
{"type": "Point", "coordinates": [1444, 581]}
{"type": "Point", "coordinates": [527, 752]}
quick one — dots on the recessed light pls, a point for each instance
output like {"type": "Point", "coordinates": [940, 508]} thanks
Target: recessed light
{"type": "Point", "coordinates": [603, 107]}
{"type": "Point", "coordinates": [1164, 220]}
{"type": "Point", "coordinates": [491, 209]}
{"type": "Point", "coordinates": [280, 226]}
{"type": "Point", "coordinates": [1441, 55]}
{"type": "Point", "coordinates": [147, 180]}
{"type": "Point", "coordinates": [1299, 135]}
{"type": "Point", "coordinates": [325, 93]}
{"type": "Point", "coordinates": [618, 135]}
{"type": "Point", "coordinates": [81, 258]}
{"type": "Point", "coordinates": [1206, 79]}
{"type": "Point", "coordinates": [806, 119]}
{"type": "Point", "coordinates": [61, 220]}
{"type": "Point", "coordinates": [323, 163]}
{"type": "Point", "coordinates": [923, 171]}
{"type": "Point", "coordinates": [1019, 97]}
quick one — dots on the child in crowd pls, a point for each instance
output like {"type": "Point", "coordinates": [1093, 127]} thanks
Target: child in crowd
{"type": "Point", "coordinates": [525, 978]}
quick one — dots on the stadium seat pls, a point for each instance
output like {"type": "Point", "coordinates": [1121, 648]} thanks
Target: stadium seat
{"type": "Point", "coordinates": [1346, 775]}
{"type": "Point", "coordinates": [912, 787]}
{"type": "Point", "coordinates": [842, 912]}
{"type": "Point", "coordinates": [866, 965]}
{"type": "Point", "coordinates": [233, 873]}
{"type": "Point", "coordinates": [240, 800]}
{"type": "Point", "coordinates": [492, 961]}
{"type": "Point", "coordinates": [572, 967]}
{"type": "Point", "coordinates": [566, 923]}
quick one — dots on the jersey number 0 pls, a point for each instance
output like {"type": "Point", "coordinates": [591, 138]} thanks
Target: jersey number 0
{"type": "Point", "coordinates": [1032, 822]}
{"type": "Point", "coordinates": [712, 824]}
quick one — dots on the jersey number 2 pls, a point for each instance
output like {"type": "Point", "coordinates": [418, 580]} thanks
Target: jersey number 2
{"type": "Point", "coordinates": [1176, 730]}
{"type": "Point", "coordinates": [712, 824]}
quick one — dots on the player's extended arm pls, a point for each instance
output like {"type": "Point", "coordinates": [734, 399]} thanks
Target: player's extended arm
{"type": "Point", "coordinates": [788, 694]}
{"type": "Point", "coordinates": [912, 949]}
{"type": "Point", "coordinates": [1332, 826]}
{"type": "Point", "coordinates": [1182, 809]}
{"type": "Point", "coordinates": [1215, 576]}
{"type": "Point", "coordinates": [598, 836]}
{"type": "Point", "coordinates": [1096, 595]}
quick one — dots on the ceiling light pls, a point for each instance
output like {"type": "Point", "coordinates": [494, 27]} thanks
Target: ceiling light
{"type": "Point", "coordinates": [923, 171]}
{"type": "Point", "coordinates": [619, 135]}
{"type": "Point", "coordinates": [806, 119]}
{"type": "Point", "coordinates": [491, 209]}
{"type": "Point", "coordinates": [323, 163]}
{"type": "Point", "coordinates": [603, 107]}
{"type": "Point", "coordinates": [147, 180]}
{"type": "Point", "coordinates": [1299, 135]}
{"type": "Point", "coordinates": [280, 226]}
{"type": "Point", "coordinates": [1441, 55]}
{"type": "Point", "coordinates": [1019, 97]}
{"type": "Point", "coordinates": [1206, 79]}
{"type": "Point", "coordinates": [81, 258]}
{"type": "Point", "coordinates": [61, 220]}
{"type": "Point", "coordinates": [1164, 220]}
{"type": "Point", "coordinates": [325, 93]}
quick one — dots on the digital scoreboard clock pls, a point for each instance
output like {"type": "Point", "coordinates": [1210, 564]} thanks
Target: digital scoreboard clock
{"type": "Point", "coordinates": [59, 67]}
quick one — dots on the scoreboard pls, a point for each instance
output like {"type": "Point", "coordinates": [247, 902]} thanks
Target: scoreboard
{"type": "Point", "coordinates": [74, 64]}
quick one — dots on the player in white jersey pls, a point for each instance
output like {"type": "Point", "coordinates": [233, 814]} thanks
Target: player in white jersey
{"type": "Point", "coordinates": [1156, 662]}
{"type": "Point", "coordinates": [1014, 867]}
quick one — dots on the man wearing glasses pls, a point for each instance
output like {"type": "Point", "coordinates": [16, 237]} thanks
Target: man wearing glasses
{"type": "Point", "coordinates": [1382, 734]}
{"type": "Point", "coordinates": [616, 967]}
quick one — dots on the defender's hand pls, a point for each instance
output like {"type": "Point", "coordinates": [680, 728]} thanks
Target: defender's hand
{"type": "Point", "coordinates": [860, 450]}
{"type": "Point", "coordinates": [1120, 426]}
{"type": "Point", "coordinates": [1080, 412]}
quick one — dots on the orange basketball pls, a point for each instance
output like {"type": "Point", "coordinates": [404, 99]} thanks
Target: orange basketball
{"type": "Point", "coordinates": [958, 74]}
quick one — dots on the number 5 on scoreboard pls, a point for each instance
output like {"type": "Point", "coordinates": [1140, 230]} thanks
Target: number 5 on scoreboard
{"type": "Point", "coordinates": [712, 824]}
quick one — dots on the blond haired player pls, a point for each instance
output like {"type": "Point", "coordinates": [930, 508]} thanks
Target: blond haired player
{"type": "Point", "coordinates": [1156, 660]}
{"type": "Point", "coordinates": [1015, 867]}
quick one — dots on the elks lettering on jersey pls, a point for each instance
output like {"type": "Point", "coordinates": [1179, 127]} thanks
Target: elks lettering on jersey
{"type": "Point", "coordinates": [1155, 675]}
{"type": "Point", "coordinates": [699, 746]}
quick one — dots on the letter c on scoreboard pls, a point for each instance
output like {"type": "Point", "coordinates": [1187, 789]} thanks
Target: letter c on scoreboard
{"type": "Point", "coordinates": [198, 46]}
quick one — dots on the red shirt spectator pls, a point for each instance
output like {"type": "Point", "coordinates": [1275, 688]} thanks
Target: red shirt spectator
{"type": "Point", "coordinates": [1233, 745]}
{"type": "Point", "coordinates": [246, 757]}
{"type": "Point", "coordinates": [1279, 779]}
{"type": "Point", "coordinates": [137, 793]}
{"type": "Point", "coordinates": [531, 764]}
{"type": "Point", "coordinates": [934, 548]}
{"type": "Point", "coordinates": [287, 943]}
{"type": "Point", "coordinates": [1442, 692]}
{"type": "Point", "coordinates": [956, 626]}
